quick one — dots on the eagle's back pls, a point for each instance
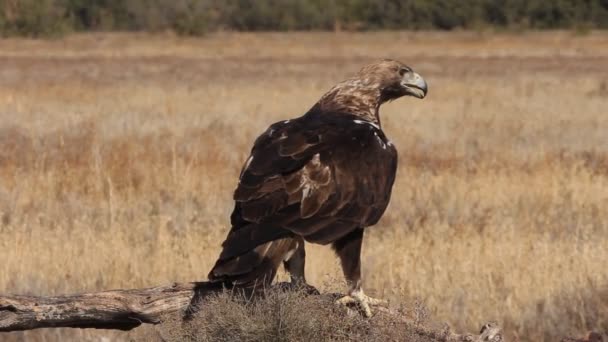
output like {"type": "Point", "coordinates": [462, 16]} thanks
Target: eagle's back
{"type": "Point", "coordinates": [319, 176]}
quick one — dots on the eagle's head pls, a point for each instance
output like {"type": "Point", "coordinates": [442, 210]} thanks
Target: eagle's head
{"type": "Point", "coordinates": [392, 79]}
{"type": "Point", "coordinates": [372, 86]}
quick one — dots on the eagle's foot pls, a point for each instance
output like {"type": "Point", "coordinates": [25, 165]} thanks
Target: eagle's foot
{"type": "Point", "coordinates": [363, 301]}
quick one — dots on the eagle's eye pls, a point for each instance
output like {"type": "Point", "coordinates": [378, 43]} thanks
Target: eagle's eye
{"type": "Point", "coordinates": [402, 71]}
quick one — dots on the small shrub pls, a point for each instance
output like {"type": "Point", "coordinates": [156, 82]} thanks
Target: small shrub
{"type": "Point", "coordinates": [283, 316]}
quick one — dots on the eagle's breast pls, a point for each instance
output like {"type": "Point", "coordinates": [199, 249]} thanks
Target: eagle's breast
{"type": "Point", "coordinates": [364, 171]}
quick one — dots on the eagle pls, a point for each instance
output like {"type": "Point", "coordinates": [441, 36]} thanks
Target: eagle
{"type": "Point", "coordinates": [323, 178]}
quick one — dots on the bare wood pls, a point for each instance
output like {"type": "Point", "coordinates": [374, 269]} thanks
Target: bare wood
{"type": "Point", "coordinates": [118, 309]}
{"type": "Point", "coordinates": [490, 332]}
{"type": "Point", "coordinates": [128, 309]}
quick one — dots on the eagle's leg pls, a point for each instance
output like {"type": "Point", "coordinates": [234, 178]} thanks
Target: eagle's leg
{"type": "Point", "coordinates": [294, 264]}
{"type": "Point", "coordinates": [348, 249]}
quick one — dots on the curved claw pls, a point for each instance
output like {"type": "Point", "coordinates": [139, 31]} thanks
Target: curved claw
{"type": "Point", "coordinates": [362, 300]}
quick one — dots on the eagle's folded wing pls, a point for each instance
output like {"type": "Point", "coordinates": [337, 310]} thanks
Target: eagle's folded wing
{"type": "Point", "coordinates": [287, 181]}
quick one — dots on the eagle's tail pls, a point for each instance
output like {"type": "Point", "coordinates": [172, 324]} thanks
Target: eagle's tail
{"type": "Point", "coordinates": [251, 256]}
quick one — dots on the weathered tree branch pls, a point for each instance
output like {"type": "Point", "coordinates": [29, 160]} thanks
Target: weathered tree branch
{"type": "Point", "coordinates": [119, 309]}
{"type": "Point", "coordinates": [128, 309]}
{"type": "Point", "coordinates": [490, 332]}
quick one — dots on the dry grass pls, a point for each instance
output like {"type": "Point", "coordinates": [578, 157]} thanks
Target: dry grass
{"type": "Point", "coordinates": [289, 316]}
{"type": "Point", "coordinates": [119, 153]}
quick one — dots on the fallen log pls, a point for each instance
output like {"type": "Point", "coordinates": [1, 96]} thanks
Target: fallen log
{"type": "Point", "coordinates": [128, 309]}
{"type": "Point", "coordinates": [118, 309]}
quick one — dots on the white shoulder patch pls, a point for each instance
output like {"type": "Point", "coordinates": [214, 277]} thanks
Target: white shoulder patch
{"type": "Point", "coordinates": [247, 163]}
{"type": "Point", "coordinates": [249, 160]}
{"type": "Point", "coordinates": [361, 122]}
{"type": "Point", "coordinates": [380, 140]}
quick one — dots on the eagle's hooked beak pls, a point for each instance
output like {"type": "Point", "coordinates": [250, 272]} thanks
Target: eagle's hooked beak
{"type": "Point", "coordinates": [414, 84]}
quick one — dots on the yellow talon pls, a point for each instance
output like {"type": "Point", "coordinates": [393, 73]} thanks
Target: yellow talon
{"type": "Point", "coordinates": [362, 300]}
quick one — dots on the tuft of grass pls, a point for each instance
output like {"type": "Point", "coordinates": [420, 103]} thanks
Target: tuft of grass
{"type": "Point", "coordinates": [283, 316]}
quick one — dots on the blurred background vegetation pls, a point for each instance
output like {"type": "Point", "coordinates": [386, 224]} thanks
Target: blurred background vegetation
{"type": "Point", "coordinates": [36, 18]}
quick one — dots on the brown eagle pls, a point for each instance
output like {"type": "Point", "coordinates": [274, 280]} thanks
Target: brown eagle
{"type": "Point", "coordinates": [323, 178]}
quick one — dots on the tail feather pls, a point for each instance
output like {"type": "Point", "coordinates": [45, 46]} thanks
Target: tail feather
{"type": "Point", "coordinates": [201, 291]}
{"type": "Point", "coordinates": [256, 267]}
{"type": "Point", "coordinates": [245, 238]}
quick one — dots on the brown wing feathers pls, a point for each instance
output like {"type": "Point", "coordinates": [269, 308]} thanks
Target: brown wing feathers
{"type": "Point", "coordinates": [288, 188]}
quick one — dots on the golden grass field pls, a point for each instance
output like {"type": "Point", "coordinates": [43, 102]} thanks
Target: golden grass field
{"type": "Point", "coordinates": [119, 154]}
